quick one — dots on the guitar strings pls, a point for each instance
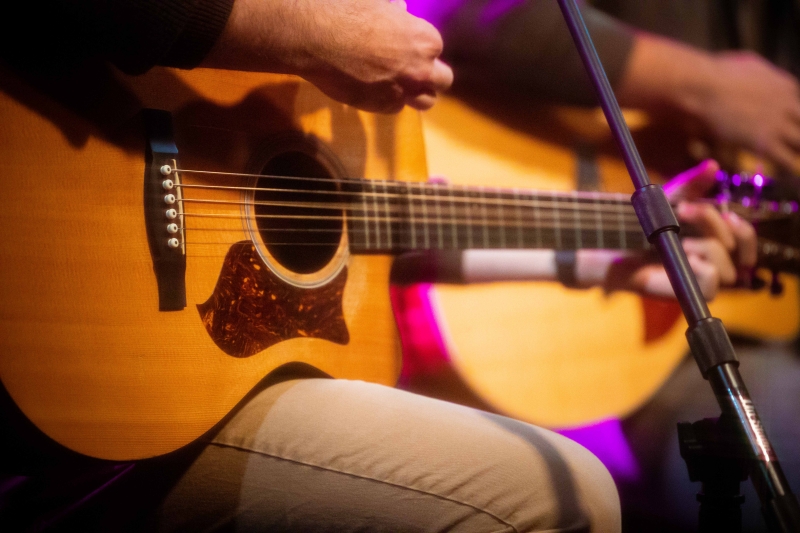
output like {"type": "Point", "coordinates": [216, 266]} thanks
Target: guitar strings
{"type": "Point", "coordinates": [491, 212]}
{"type": "Point", "coordinates": [601, 203]}
{"type": "Point", "coordinates": [477, 210]}
{"type": "Point", "coordinates": [633, 240]}
{"type": "Point", "coordinates": [533, 223]}
{"type": "Point", "coordinates": [574, 200]}
{"type": "Point", "coordinates": [404, 208]}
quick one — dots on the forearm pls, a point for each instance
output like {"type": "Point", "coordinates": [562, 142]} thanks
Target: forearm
{"type": "Point", "coordinates": [370, 54]}
{"type": "Point", "coordinates": [264, 37]}
{"type": "Point", "coordinates": [662, 74]}
{"type": "Point", "coordinates": [528, 49]}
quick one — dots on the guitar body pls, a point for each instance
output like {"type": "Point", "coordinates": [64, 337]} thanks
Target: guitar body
{"type": "Point", "coordinates": [540, 352]}
{"type": "Point", "coordinates": [86, 353]}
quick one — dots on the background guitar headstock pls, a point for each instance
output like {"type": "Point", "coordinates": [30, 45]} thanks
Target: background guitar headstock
{"type": "Point", "coordinates": [774, 209]}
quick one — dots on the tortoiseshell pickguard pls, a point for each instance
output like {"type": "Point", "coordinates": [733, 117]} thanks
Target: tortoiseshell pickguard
{"type": "Point", "coordinates": [251, 308]}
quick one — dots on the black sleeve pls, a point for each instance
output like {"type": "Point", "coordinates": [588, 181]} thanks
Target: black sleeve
{"type": "Point", "coordinates": [135, 35]}
{"type": "Point", "coordinates": [527, 48]}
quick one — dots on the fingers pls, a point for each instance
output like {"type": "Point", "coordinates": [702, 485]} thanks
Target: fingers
{"type": "Point", "coordinates": [708, 277]}
{"type": "Point", "coordinates": [692, 183]}
{"type": "Point", "coordinates": [652, 279]}
{"type": "Point", "coordinates": [785, 154]}
{"type": "Point", "coordinates": [711, 252]}
{"type": "Point", "coordinates": [421, 101]}
{"type": "Point", "coordinates": [441, 78]}
{"type": "Point", "coordinates": [706, 218]}
{"type": "Point", "coordinates": [375, 56]}
{"type": "Point", "coordinates": [746, 240]}
{"type": "Point", "coordinates": [729, 241]}
{"type": "Point", "coordinates": [752, 104]}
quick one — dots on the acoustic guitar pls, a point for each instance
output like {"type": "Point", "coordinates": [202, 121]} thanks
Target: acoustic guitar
{"type": "Point", "coordinates": [169, 240]}
{"type": "Point", "coordinates": [541, 352]}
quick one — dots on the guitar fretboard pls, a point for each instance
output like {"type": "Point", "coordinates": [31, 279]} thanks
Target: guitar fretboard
{"type": "Point", "coordinates": [395, 217]}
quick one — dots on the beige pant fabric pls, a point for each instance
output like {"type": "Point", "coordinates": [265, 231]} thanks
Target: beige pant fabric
{"type": "Point", "coordinates": [340, 456]}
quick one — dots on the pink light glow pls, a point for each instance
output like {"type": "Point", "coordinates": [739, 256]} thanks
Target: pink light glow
{"type": "Point", "coordinates": [425, 352]}
{"type": "Point", "coordinates": [607, 441]}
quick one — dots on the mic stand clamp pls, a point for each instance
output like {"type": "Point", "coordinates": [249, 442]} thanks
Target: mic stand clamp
{"type": "Point", "coordinates": [715, 456]}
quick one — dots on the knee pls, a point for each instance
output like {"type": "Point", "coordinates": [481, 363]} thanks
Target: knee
{"type": "Point", "coordinates": [597, 492]}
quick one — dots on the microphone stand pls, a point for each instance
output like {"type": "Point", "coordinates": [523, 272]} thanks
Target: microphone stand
{"type": "Point", "coordinates": [708, 340]}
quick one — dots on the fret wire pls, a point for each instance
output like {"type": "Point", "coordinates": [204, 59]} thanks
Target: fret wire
{"type": "Point", "coordinates": [377, 217]}
{"type": "Point", "coordinates": [623, 230]}
{"type": "Point", "coordinates": [438, 216]}
{"type": "Point", "coordinates": [501, 216]}
{"type": "Point", "coordinates": [365, 221]}
{"type": "Point", "coordinates": [483, 218]}
{"type": "Point", "coordinates": [578, 240]}
{"type": "Point", "coordinates": [518, 217]}
{"type": "Point", "coordinates": [453, 227]}
{"type": "Point", "coordinates": [599, 219]}
{"type": "Point", "coordinates": [557, 221]}
{"type": "Point", "coordinates": [537, 220]}
{"type": "Point", "coordinates": [469, 219]}
{"type": "Point", "coordinates": [388, 221]}
{"type": "Point", "coordinates": [411, 218]}
{"type": "Point", "coordinates": [425, 224]}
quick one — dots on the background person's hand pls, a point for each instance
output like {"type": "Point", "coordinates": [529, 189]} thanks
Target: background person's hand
{"type": "Point", "coordinates": [739, 99]}
{"type": "Point", "coordinates": [727, 244]}
{"type": "Point", "coordinates": [751, 103]}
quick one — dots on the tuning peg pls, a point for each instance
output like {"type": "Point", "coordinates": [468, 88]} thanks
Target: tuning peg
{"type": "Point", "coordinates": [723, 187]}
{"type": "Point", "coordinates": [776, 285]}
{"type": "Point", "coordinates": [752, 281]}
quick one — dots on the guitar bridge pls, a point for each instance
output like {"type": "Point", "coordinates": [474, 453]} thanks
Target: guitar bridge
{"type": "Point", "coordinates": [163, 211]}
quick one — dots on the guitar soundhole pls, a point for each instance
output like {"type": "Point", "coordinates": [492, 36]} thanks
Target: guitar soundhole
{"type": "Point", "coordinates": [292, 215]}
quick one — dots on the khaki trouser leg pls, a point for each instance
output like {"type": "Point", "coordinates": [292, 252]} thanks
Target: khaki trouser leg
{"type": "Point", "coordinates": [335, 455]}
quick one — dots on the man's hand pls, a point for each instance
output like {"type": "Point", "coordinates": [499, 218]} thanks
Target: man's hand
{"type": "Point", "coordinates": [739, 98]}
{"type": "Point", "coordinates": [726, 247]}
{"type": "Point", "coordinates": [751, 103]}
{"type": "Point", "coordinates": [371, 54]}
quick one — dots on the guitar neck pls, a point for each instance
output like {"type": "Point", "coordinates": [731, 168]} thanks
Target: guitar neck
{"type": "Point", "coordinates": [391, 217]}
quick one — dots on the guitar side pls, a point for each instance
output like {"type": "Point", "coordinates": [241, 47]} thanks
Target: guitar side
{"type": "Point", "coordinates": [86, 353]}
